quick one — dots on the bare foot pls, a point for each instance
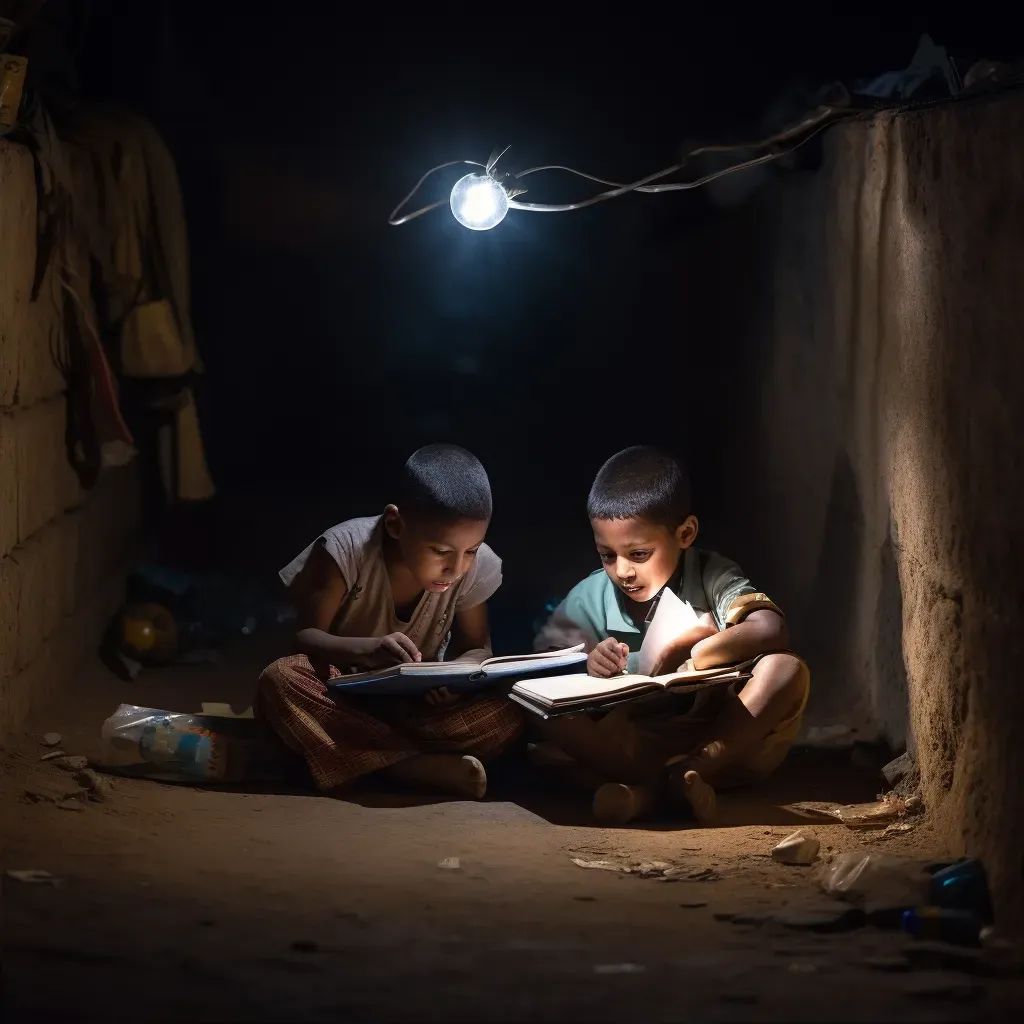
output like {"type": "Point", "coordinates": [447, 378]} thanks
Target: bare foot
{"type": "Point", "coordinates": [618, 804]}
{"type": "Point", "coordinates": [453, 774]}
{"type": "Point", "coordinates": [697, 793]}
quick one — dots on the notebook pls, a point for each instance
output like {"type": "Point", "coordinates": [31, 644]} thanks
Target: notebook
{"type": "Point", "coordinates": [412, 678]}
{"type": "Point", "coordinates": [560, 694]}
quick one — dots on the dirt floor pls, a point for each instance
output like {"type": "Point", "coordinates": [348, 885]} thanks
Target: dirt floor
{"type": "Point", "coordinates": [178, 903]}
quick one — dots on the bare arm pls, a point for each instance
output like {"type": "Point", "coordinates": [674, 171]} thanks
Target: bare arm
{"type": "Point", "coordinates": [321, 591]}
{"type": "Point", "coordinates": [761, 632]}
{"type": "Point", "coordinates": [471, 635]}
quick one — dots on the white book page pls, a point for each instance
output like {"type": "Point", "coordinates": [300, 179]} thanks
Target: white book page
{"type": "Point", "coordinates": [673, 617]}
{"type": "Point", "coordinates": [508, 658]}
{"type": "Point", "coordinates": [556, 689]}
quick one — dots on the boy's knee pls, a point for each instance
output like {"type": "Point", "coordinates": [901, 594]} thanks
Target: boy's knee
{"type": "Point", "coordinates": [782, 673]}
{"type": "Point", "coordinates": [280, 675]}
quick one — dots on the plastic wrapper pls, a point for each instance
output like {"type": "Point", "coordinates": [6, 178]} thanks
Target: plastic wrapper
{"type": "Point", "coordinates": [177, 747]}
{"type": "Point", "coordinates": [877, 879]}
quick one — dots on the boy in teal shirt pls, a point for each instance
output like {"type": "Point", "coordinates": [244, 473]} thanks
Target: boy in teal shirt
{"type": "Point", "coordinates": [640, 511]}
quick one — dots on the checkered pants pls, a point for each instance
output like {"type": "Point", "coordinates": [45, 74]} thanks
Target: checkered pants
{"type": "Point", "coordinates": [343, 738]}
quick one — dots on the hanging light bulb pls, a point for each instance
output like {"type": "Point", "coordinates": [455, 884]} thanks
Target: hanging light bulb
{"type": "Point", "coordinates": [479, 202]}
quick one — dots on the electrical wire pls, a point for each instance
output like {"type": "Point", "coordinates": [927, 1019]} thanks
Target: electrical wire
{"type": "Point", "coordinates": [433, 206]}
{"type": "Point", "coordinates": [812, 124]}
{"type": "Point", "coordinates": [674, 186]}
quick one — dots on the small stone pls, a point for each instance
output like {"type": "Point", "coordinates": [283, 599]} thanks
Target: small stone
{"type": "Point", "coordinates": [100, 792]}
{"type": "Point", "coordinates": [305, 946]}
{"type": "Point", "coordinates": [71, 805]}
{"type": "Point", "coordinates": [206, 922]}
{"type": "Point", "coordinates": [75, 763]}
{"type": "Point", "coordinates": [692, 906]}
{"type": "Point", "coordinates": [86, 778]}
{"type": "Point", "coordinates": [450, 864]}
{"type": "Point", "coordinates": [50, 755]}
{"type": "Point", "coordinates": [585, 899]}
{"type": "Point", "coordinates": [797, 849]}
{"type": "Point", "coordinates": [802, 968]}
{"type": "Point", "coordinates": [51, 739]}
{"type": "Point", "coordinates": [896, 770]}
{"type": "Point", "coordinates": [44, 794]}
{"type": "Point", "coordinates": [705, 875]}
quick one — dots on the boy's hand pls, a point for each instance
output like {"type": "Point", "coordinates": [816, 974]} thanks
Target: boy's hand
{"type": "Point", "coordinates": [441, 697]}
{"type": "Point", "coordinates": [678, 651]}
{"type": "Point", "coordinates": [395, 648]}
{"type": "Point", "coordinates": [607, 659]}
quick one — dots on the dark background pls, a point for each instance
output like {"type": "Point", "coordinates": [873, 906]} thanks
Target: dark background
{"type": "Point", "coordinates": [335, 344]}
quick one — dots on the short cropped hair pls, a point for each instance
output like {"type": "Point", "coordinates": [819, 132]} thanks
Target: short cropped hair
{"type": "Point", "coordinates": [641, 483]}
{"type": "Point", "coordinates": [443, 483]}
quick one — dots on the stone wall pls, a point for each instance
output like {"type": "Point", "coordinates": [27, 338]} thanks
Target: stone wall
{"type": "Point", "coordinates": [62, 550]}
{"type": "Point", "coordinates": [879, 441]}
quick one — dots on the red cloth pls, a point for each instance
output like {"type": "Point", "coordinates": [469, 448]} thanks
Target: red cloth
{"type": "Point", "coordinates": [343, 738]}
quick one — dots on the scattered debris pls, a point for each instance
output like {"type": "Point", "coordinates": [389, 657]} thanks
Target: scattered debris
{"type": "Point", "coordinates": [51, 739]}
{"type": "Point", "coordinates": [50, 755]}
{"type": "Point", "coordinates": [797, 849]}
{"type": "Point", "coordinates": [596, 865]}
{"type": "Point", "coordinates": [33, 876]}
{"type": "Point", "coordinates": [75, 763]}
{"type": "Point", "coordinates": [45, 794]}
{"type": "Point", "coordinates": [619, 968]}
{"type": "Point", "coordinates": [450, 864]}
{"type": "Point", "coordinates": [878, 814]}
{"type": "Point", "coordinates": [305, 946]}
{"type": "Point", "coordinates": [895, 829]}
{"type": "Point", "coordinates": [877, 879]}
{"type": "Point", "coordinates": [659, 870]}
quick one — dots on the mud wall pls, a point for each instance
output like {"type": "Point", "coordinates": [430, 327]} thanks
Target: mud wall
{"type": "Point", "coordinates": [877, 431]}
{"type": "Point", "coordinates": [62, 550]}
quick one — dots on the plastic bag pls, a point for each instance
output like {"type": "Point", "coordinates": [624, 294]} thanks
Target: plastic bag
{"type": "Point", "coordinates": [876, 878]}
{"type": "Point", "coordinates": [175, 747]}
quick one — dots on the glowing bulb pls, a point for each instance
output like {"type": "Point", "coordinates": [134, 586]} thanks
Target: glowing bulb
{"type": "Point", "coordinates": [479, 202]}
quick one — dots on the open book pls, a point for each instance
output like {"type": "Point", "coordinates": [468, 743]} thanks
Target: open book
{"type": "Point", "coordinates": [460, 676]}
{"type": "Point", "coordinates": [561, 694]}
{"type": "Point", "coordinates": [579, 692]}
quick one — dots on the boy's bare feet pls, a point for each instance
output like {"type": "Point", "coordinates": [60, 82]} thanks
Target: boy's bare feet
{"type": "Point", "coordinates": [452, 774]}
{"type": "Point", "coordinates": [618, 804]}
{"type": "Point", "coordinates": [696, 792]}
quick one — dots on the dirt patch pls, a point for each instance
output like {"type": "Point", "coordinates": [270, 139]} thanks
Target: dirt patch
{"type": "Point", "coordinates": [257, 906]}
